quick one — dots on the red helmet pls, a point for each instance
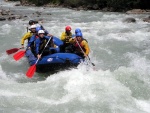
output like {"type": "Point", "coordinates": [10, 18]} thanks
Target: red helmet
{"type": "Point", "coordinates": [68, 28]}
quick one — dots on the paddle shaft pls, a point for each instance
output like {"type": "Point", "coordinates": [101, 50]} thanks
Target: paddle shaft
{"type": "Point", "coordinates": [84, 53]}
{"type": "Point", "coordinates": [43, 50]}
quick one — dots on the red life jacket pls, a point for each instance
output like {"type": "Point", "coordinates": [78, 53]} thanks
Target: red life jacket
{"type": "Point", "coordinates": [78, 48]}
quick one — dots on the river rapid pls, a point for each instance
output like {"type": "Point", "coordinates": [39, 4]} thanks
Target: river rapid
{"type": "Point", "coordinates": [119, 83]}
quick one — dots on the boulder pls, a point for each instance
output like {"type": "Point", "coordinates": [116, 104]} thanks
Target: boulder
{"type": "Point", "coordinates": [2, 18]}
{"type": "Point", "coordinates": [137, 11]}
{"type": "Point", "coordinates": [17, 4]}
{"type": "Point", "coordinates": [129, 20]}
{"type": "Point", "coordinates": [4, 12]}
{"type": "Point", "coordinates": [147, 19]}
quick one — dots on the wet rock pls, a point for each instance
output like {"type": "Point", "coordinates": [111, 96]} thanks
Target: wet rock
{"type": "Point", "coordinates": [105, 9]}
{"type": "Point", "coordinates": [95, 7]}
{"type": "Point", "coordinates": [4, 12]}
{"type": "Point", "coordinates": [11, 18]}
{"type": "Point", "coordinates": [14, 17]}
{"type": "Point", "coordinates": [2, 18]}
{"type": "Point", "coordinates": [147, 19]}
{"type": "Point", "coordinates": [80, 8]}
{"type": "Point", "coordinates": [129, 20]}
{"type": "Point", "coordinates": [18, 16]}
{"type": "Point", "coordinates": [38, 13]}
{"type": "Point", "coordinates": [138, 11]}
{"type": "Point", "coordinates": [108, 9]}
{"type": "Point", "coordinates": [48, 14]}
{"type": "Point", "coordinates": [17, 4]}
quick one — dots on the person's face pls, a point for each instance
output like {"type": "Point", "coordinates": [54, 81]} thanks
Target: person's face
{"type": "Point", "coordinates": [68, 31]}
{"type": "Point", "coordinates": [79, 38]}
{"type": "Point", "coordinates": [32, 24]}
{"type": "Point", "coordinates": [33, 30]}
{"type": "Point", "coordinates": [41, 35]}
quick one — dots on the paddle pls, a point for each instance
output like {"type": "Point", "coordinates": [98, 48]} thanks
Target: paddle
{"type": "Point", "coordinates": [32, 68]}
{"type": "Point", "coordinates": [19, 55]}
{"type": "Point", "coordinates": [84, 53]}
{"type": "Point", "coordinates": [11, 51]}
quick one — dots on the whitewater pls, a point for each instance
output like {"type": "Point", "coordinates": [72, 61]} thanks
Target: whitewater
{"type": "Point", "coordinates": [119, 82]}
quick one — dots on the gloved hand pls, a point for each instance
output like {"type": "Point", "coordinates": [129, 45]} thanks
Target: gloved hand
{"type": "Point", "coordinates": [22, 46]}
{"type": "Point", "coordinates": [71, 40]}
{"type": "Point", "coordinates": [38, 56]}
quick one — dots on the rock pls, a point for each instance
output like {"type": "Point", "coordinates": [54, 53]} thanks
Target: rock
{"type": "Point", "coordinates": [129, 20]}
{"type": "Point", "coordinates": [89, 7]}
{"type": "Point", "coordinates": [18, 16]}
{"type": "Point", "coordinates": [14, 17]}
{"type": "Point", "coordinates": [11, 18]}
{"type": "Point", "coordinates": [38, 13]}
{"type": "Point", "coordinates": [147, 19]}
{"type": "Point", "coordinates": [17, 4]}
{"type": "Point", "coordinates": [105, 9]}
{"type": "Point", "coordinates": [4, 12]}
{"type": "Point", "coordinates": [137, 11]}
{"type": "Point", "coordinates": [48, 14]}
{"type": "Point", "coordinates": [95, 7]}
{"type": "Point", "coordinates": [2, 18]}
{"type": "Point", "coordinates": [79, 8]}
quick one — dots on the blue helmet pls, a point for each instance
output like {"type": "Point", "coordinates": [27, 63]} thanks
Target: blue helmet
{"type": "Point", "coordinates": [38, 28]}
{"type": "Point", "coordinates": [77, 30]}
{"type": "Point", "coordinates": [79, 34]}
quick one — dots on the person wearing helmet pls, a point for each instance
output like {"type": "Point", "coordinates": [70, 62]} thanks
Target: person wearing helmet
{"type": "Point", "coordinates": [40, 43]}
{"type": "Point", "coordinates": [81, 46]}
{"type": "Point", "coordinates": [32, 39]}
{"type": "Point", "coordinates": [28, 35]}
{"type": "Point", "coordinates": [65, 36]}
{"type": "Point", "coordinates": [34, 22]}
{"type": "Point", "coordinates": [77, 30]}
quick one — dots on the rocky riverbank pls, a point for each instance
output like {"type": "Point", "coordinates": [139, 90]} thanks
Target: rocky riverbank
{"type": "Point", "coordinates": [105, 5]}
{"type": "Point", "coordinates": [11, 15]}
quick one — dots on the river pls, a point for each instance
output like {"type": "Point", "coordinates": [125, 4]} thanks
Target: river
{"type": "Point", "coordinates": [119, 83]}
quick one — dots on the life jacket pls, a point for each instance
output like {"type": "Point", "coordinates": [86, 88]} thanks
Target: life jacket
{"type": "Point", "coordinates": [42, 44]}
{"type": "Point", "coordinates": [35, 39]}
{"type": "Point", "coordinates": [77, 46]}
{"type": "Point", "coordinates": [67, 37]}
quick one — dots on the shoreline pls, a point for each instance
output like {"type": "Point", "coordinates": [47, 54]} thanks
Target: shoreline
{"type": "Point", "coordinates": [9, 15]}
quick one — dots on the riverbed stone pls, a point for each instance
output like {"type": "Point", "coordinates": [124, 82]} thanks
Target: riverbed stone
{"type": "Point", "coordinates": [130, 20]}
{"type": "Point", "coordinates": [138, 11]}
{"type": "Point", "coordinates": [2, 18]}
{"type": "Point", "coordinates": [147, 19]}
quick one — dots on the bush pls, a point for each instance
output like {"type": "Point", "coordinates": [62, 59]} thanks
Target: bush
{"type": "Point", "coordinates": [117, 5]}
{"type": "Point", "coordinates": [123, 4]}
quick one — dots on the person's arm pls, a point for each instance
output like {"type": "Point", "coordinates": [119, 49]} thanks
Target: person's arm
{"type": "Point", "coordinates": [72, 40]}
{"type": "Point", "coordinates": [37, 46]}
{"type": "Point", "coordinates": [63, 36]}
{"type": "Point", "coordinates": [26, 36]}
{"type": "Point", "coordinates": [86, 47]}
{"type": "Point", "coordinates": [32, 39]}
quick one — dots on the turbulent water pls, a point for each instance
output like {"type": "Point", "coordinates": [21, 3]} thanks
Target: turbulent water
{"type": "Point", "coordinates": [119, 83]}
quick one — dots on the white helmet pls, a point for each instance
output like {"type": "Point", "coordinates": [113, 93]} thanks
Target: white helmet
{"type": "Point", "coordinates": [41, 32]}
{"type": "Point", "coordinates": [32, 26]}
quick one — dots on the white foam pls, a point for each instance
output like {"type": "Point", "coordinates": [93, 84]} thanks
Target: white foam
{"type": "Point", "coordinates": [2, 74]}
{"type": "Point", "coordinates": [144, 105]}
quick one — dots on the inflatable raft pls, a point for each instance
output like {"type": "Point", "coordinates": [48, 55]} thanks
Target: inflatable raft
{"type": "Point", "coordinates": [56, 61]}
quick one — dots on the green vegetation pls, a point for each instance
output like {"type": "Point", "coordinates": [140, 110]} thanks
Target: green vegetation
{"type": "Point", "coordinates": [114, 5]}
